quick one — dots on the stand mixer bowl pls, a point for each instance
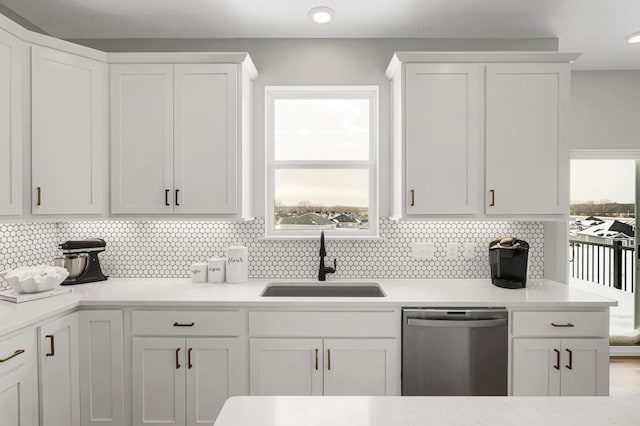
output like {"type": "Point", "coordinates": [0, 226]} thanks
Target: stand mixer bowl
{"type": "Point", "coordinates": [74, 263]}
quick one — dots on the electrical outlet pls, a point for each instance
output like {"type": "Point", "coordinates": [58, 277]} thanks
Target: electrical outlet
{"type": "Point", "coordinates": [452, 251]}
{"type": "Point", "coordinates": [423, 251]}
{"type": "Point", "coordinates": [469, 251]}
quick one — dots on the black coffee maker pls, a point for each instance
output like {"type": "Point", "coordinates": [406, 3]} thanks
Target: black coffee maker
{"type": "Point", "coordinates": [508, 258]}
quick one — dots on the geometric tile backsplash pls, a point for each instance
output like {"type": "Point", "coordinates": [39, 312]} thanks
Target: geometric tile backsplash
{"type": "Point", "coordinates": [166, 248]}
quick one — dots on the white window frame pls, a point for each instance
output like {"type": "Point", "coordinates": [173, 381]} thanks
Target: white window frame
{"type": "Point", "coordinates": [321, 92]}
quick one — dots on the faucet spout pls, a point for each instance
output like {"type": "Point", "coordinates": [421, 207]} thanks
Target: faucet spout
{"type": "Point", "coordinates": [324, 270]}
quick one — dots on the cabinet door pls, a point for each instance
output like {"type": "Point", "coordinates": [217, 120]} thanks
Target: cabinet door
{"type": "Point", "coordinates": [59, 383]}
{"type": "Point", "coordinates": [527, 159]}
{"type": "Point", "coordinates": [16, 397]}
{"type": "Point", "coordinates": [360, 367]}
{"type": "Point", "coordinates": [69, 132]}
{"type": "Point", "coordinates": [585, 367]}
{"type": "Point", "coordinates": [536, 367]}
{"type": "Point", "coordinates": [11, 51]}
{"type": "Point", "coordinates": [142, 138]}
{"type": "Point", "coordinates": [285, 366]}
{"type": "Point", "coordinates": [101, 368]}
{"type": "Point", "coordinates": [443, 134]}
{"type": "Point", "coordinates": [213, 375]}
{"type": "Point", "coordinates": [206, 139]}
{"type": "Point", "coordinates": [159, 381]}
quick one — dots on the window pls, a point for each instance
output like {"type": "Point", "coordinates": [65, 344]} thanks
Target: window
{"type": "Point", "coordinates": [322, 161]}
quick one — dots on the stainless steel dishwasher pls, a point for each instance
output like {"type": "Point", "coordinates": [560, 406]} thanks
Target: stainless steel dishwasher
{"type": "Point", "coordinates": [453, 351]}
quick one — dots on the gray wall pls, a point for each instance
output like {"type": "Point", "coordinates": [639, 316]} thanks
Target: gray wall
{"type": "Point", "coordinates": [605, 110]}
{"type": "Point", "coordinates": [319, 62]}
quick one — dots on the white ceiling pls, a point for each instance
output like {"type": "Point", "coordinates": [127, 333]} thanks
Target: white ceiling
{"type": "Point", "coordinates": [595, 27]}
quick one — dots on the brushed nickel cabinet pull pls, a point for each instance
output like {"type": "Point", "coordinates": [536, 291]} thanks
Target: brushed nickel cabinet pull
{"type": "Point", "coordinates": [570, 366]}
{"type": "Point", "coordinates": [189, 365]}
{"type": "Point", "coordinates": [557, 365]}
{"type": "Point", "coordinates": [562, 325]}
{"type": "Point", "coordinates": [413, 198]}
{"type": "Point", "coordinates": [166, 197]}
{"type": "Point", "coordinates": [493, 197]}
{"type": "Point", "coordinates": [177, 324]}
{"type": "Point", "coordinates": [328, 359]}
{"type": "Point", "coordinates": [316, 359]}
{"type": "Point", "coordinates": [39, 190]}
{"type": "Point", "coordinates": [15, 354]}
{"type": "Point", "coordinates": [177, 191]}
{"type": "Point", "coordinates": [177, 359]}
{"type": "Point", "coordinates": [52, 348]}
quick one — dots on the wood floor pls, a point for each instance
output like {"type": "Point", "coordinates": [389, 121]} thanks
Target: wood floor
{"type": "Point", "coordinates": [624, 376]}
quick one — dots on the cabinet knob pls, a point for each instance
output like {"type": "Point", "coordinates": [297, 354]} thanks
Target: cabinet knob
{"type": "Point", "coordinates": [39, 200]}
{"type": "Point", "coordinates": [177, 359]}
{"type": "Point", "coordinates": [328, 359]}
{"type": "Point", "coordinates": [570, 366]}
{"type": "Point", "coordinates": [413, 197]}
{"type": "Point", "coordinates": [189, 365]}
{"type": "Point", "coordinates": [557, 364]}
{"type": "Point", "coordinates": [177, 191]}
{"type": "Point", "coordinates": [493, 197]}
{"type": "Point", "coordinates": [166, 197]}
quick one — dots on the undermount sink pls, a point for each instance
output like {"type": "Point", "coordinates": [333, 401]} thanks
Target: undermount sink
{"type": "Point", "coordinates": [333, 289]}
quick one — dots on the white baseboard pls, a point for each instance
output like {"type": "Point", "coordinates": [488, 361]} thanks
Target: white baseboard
{"type": "Point", "coordinates": [624, 350]}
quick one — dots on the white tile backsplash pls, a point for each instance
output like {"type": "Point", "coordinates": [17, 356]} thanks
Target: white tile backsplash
{"type": "Point", "coordinates": [157, 248]}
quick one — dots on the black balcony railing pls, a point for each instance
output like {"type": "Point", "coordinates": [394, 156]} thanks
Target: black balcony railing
{"type": "Point", "coordinates": [610, 265]}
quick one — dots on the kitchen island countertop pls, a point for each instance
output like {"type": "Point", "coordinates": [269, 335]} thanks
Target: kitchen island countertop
{"type": "Point", "coordinates": [181, 292]}
{"type": "Point", "coordinates": [409, 411]}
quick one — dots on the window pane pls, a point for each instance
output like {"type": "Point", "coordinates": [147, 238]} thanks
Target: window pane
{"type": "Point", "coordinates": [321, 199]}
{"type": "Point", "coordinates": [321, 129]}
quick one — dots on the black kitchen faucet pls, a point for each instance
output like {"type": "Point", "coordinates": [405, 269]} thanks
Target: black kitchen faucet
{"type": "Point", "coordinates": [324, 270]}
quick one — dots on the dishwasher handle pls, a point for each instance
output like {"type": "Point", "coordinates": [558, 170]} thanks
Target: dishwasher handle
{"type": "Point", "coordinates": [457, 323]}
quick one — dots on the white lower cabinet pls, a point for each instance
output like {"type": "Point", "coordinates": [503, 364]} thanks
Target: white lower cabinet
{"type": "Point", "coordinates": [178, 381]}
{"type": "Point", "coordinates": [322, 366]}
{"type": "Point", "coordinates": [560, 367]}
{"type": "Point", "coordinates": [101, 368]}
{"type": "Point", "coordinates": [59, 368]}
{"type": "Point", "coordinates": [18, 380]}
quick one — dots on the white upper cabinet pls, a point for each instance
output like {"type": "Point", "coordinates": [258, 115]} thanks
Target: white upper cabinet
{"type": "Point", "coordinates": [442, 140]}
{"type": "Point", "coordinates": [11, 70]}
{"type": "Point", "coordinates": [179, 135]}
{"type": "Point", "coordinates": [205, 135]}
{"type": "Point", "coordinates": [527, 162]}
{"type": "Point", "coordinates": [461, 118]}
{"type": "Point", "coordinates": [141, 138]}
{"type": "Point", "coordinates": [69, 132]}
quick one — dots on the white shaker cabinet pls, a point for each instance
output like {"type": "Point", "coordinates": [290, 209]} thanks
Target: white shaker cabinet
{"type": "Point", "coordinates": [18, 381]}
{"type": "Point", "coordinates": [141, 138]}
{"type": "Point", "coordinates": [180, 381]}
{"type": "Point", "coordinates": [527, 158]}
{"type": "Point", "coordinates": [180, 138]}
{"type": "Point", "coordinates": [464, 118]}
{"type": "Point", "coordinates": [560, 367]}
{"type": "Point", "coordinates": [11, 75]}
{"type": "Point", "coordinates": [322, 366]}
{"type": "Point", "coordinates": [59, 372]}
{"type": "Point", "coordinates": [560, 353]}
{"type": "Point", "coordinates": [101, 368]}
{"type": "Point", "coordinates": [442, 113]}
{"type": "Point", "coordinates": [69, 133]}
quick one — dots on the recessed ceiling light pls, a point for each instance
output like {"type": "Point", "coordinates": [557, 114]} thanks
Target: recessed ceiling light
{"type": "Point", "coordinates": [322, 14]}
{"type": "Point", "coordinates": [634, 38]}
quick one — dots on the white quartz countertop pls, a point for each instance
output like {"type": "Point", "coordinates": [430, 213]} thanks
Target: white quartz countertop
{"type": "Point", "coordinates": [436, 410]}
{"type": "Point", "coordinates": [180, 292]}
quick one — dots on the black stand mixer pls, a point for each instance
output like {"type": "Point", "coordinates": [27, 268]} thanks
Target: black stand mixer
{"type": "Point", "coordinates": [80, 258]}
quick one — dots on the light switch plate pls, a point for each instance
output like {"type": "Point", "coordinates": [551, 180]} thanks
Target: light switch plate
{"type": "Point", "coordinates": [453, 251]}
{"type": "Point", "coordinates": [423, 251]}
{"type": "Point", "coordinates": [469, 251]}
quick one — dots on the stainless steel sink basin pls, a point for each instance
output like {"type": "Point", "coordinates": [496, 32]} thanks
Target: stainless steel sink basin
{"type": "Point", "coordinates": [333, 289]}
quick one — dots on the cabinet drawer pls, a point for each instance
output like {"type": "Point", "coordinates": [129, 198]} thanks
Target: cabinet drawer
{"type": "Point", "coordinates": [17, 350]}
{"type": "Point", "coordinates": [186, 323]}
{"type": "Point", "coordinates": [323, 324]}
{"type": "Point", "coordinates": [561, 324]}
